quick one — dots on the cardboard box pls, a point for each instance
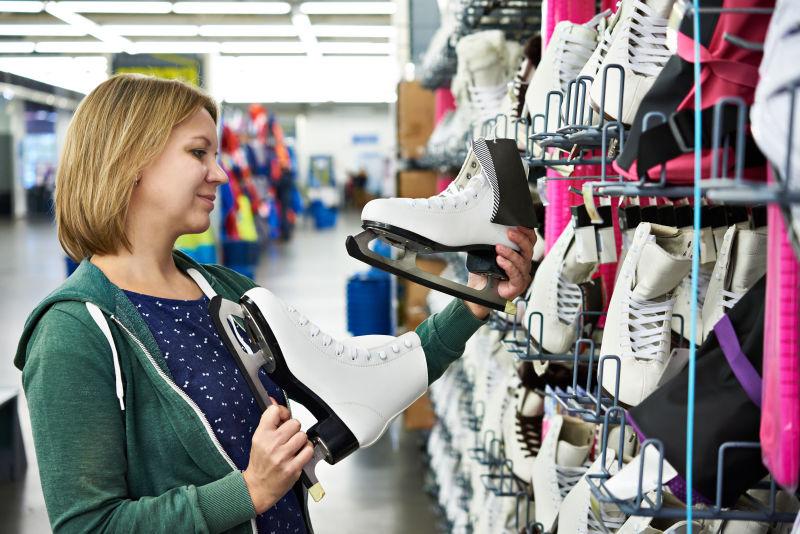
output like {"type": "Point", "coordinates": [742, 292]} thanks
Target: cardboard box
{"type": "Point", "coordinates": [416, 184]}
{"type": "Point", "coordinates": [420, 415]}
{"type": "Point", "coordinates": [415, 297]}
{"type": "Point", "coordinates": [416, 111]}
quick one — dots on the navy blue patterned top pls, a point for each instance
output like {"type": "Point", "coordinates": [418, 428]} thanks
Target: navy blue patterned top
{"type": "Point", "coordinates": [202, 366]}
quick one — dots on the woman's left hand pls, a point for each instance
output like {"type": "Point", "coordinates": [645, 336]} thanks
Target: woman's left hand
{"type": "Point", "coordinates": [516, 264]}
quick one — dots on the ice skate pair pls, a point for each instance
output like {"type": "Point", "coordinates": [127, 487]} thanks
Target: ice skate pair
{"type": "Point", "coordinates": [355, 387]}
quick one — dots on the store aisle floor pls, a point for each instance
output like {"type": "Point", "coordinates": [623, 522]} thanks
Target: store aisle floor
{"type": "Point", "coordinates": [375, 490]}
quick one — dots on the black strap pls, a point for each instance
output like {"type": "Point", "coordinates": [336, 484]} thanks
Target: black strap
{"type": "Point", "coordinates": [667, 141]}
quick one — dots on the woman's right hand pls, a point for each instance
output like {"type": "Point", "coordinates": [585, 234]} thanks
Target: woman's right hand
{"type": "Point", "coordinates": [277, 457]}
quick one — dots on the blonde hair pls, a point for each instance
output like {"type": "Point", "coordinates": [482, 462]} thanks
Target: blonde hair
{"type": "Point", "coordinates": [117, 130]}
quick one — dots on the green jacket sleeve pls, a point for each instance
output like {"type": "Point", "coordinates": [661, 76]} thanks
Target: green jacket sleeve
{"type": "Point", "coordinates": [79, 435]}
{"type": "Point", "coordinates": [444, 336]}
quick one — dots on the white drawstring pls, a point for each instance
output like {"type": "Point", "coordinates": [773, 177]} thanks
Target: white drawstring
{"type": "Point", "coordinates": [102, 323]}
{"type": "Point", "coordinates": [647, 322]}
{"type": "Point", "coordinates": [569, 300]}
{"type": "Point", "coordinates": [647, 34]}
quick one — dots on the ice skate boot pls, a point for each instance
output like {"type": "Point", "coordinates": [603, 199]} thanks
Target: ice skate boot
{"type": "Point", "coordinates": [489, 196]}
{"type": "Point", "coordinates": [638, 324]}
{"type": "Point", "coordinates": [353, 387]}
{"type": "Point", "coordinates": [553, 311]}
{"type": "Point", "coordinates": [638, 44]}
{"type": "Point", "coordinates": [741, 262]}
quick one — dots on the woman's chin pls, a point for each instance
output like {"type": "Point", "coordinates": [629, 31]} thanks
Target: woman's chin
{"type": "Point", "coordinates": [197, 226]}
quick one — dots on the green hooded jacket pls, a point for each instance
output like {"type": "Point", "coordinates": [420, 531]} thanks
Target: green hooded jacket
{"type": "Point", "coordinates": [154, 466]}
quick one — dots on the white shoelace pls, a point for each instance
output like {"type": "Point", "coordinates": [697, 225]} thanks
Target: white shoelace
{"type": "Point", "coordinates": [730, 298]}
{"type": "Point", "coordinates": [339, 348]}
{"type": "Point", "coordinates": [569, 476]}
{"type": "Point", "coordinates": [486, 101]}
{"type": "Point", "coordinates": [568, 300]}
{"type": "Point", "coordinates": [454, 196]}
{"type": "Point", "coordinates": [647, 34]}
{"type": "Point", "coordinates": [573, 51]}
{"type": "Point", "coordinates": [604, 43]}
{"type": "Point", "coordinates": [610, 520]}
{"type": "Point", "coordinates": [647, 322]}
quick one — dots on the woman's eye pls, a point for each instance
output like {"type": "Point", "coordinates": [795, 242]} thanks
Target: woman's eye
{"type": "Point", "coordinates": [198, 153]}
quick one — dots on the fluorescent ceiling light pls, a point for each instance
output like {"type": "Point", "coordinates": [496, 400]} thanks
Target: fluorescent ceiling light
{"type": "Point", "coordinates": [78, 47]}
{"type": "Point", "coordinates": [80, 74]}
{"type": "Point", "coordinates": [117, 7]}
{"type": "Point", "coordinates": [49, 30]}
{"type": "Point", "coordinates": [154, 30]}
{"type": "Point", "coordinates": [175, 47]}
{"type": "Point", "coordinates": [21, 7]}
{"type": "Point", "coordinates": [306, 34]}
{"type": "Point", "coordinates": [247, 30]}
{"type": "Point", "coordinates": [362, 49]}
{"type": "Point", "coordinates": [338, 30]}
{"type": "Point", "coordinates": [16, 47]}
{"type": "Point", "coordinates": [86, 25]}
{"type": "Point", "coordinates": [261, 47]}
{"type": "Point", "coordinates": [232, 8]}
{"type": "Point", "coordinates": [348, 8]}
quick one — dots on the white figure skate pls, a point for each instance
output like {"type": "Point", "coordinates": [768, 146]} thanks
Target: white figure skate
{"type": "Point", "coordinates": [353, 387]}
{"type": "Point", "coordinates": [489, 196]}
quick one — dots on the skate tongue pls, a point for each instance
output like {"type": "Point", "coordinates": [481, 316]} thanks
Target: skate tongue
{"type": "Point", "coordinates": [750, 261]}
{"type": "Point", "coordinates": [659, 272]}
{"type": "Point", "coordinates": [573, 271]}
{"type": "Point", "coordinates": [569, 455]}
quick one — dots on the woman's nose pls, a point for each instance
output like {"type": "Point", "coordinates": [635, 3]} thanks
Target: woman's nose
{"type": "Point", "coordinates": [218, 174]}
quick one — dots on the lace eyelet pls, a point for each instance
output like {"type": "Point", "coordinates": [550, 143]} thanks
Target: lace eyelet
{"type": "Point", "coordinates": [382, 355]}
{"type": "Point", "coordinates": [407, 343]}
{"type": "Point", "coordinates": [395, 349]}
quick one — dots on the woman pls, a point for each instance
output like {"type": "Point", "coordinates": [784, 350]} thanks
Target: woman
{"type": "Point", "coordinates": [140, 417]}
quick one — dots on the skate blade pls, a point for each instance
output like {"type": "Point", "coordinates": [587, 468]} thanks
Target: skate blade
{"type": "Point", "coordinates": [406, 267]}
{"type": "Point", "coordinates": [309, 475]}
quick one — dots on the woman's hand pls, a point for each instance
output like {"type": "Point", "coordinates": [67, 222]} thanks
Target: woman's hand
{"type": "Point", "coordinates": [516, 264]}
{"type": "Point", "coordinates": [277, 457]}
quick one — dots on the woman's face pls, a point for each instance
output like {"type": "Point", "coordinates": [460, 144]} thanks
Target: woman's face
{"type": "Point", "coordinates": [176, 192]}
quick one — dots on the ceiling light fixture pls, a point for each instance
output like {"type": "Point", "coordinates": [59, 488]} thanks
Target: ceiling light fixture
{"type": "Point", "coordinates": [154, 30]}
{"type": "Point", "coordinates": [348, 8]}
{"type": "Point", "coordinates": [306, 34]}
{"type": "Point", "coordinates": [232, 8]}
{"type": "Point", "coordinates": [359, 49]}
{"type": "Point", "coordinates": [247, 30]}
{"type": "Point", "coordinates": [78, 47]}
{"type": "Point", "coordinates": [16, 47]}
{"type": "Point", "coordinates": [175, 47]}
{"type": "Point", "coordinates": [47, 30]}
{"type": "Point", "coordinates": [143, 7]}
{"type": "Point", "coordinates": [86, 25]}
{"type": "Point", "coordinates": [355, 31]}
{"type": "Point", "coordinates": [261, 47]}
{"type": "Point", "coordinates": [21, 7]}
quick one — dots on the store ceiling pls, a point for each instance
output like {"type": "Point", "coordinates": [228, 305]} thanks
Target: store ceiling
{"type": "Point", "coordinates": [232, 27]}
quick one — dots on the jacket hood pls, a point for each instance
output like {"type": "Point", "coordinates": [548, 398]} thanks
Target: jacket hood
{"type": "Point", "coordinates": [89, 284]}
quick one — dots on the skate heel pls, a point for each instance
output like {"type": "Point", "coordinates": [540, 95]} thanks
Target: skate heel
{"type": "Point", "coordinates": [485, 262]}
{"type": "Point", "coordinates": [335, 439]}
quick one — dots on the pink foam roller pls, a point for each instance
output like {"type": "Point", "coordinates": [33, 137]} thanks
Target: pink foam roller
{"type": "Point", "coordinates": [780, 417]}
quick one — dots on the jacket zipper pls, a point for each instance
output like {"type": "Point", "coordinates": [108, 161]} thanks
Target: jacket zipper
{"type": "Point", "coordinates": [186, 398]}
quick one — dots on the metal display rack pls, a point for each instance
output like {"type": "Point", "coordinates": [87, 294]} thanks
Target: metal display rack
{"type": "Point", "coordinates": [572, 137]}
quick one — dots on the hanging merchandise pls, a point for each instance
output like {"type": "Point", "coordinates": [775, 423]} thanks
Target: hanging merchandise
{"type": "Point", "coordinates": [489, 195]}
{"type": "Point", "coordinates": [200, 247]}
{"type": "Point", "coordinates": [353, 387]}
{"type": "Point", "coordinates": [776, 113]}
{"type": "Point", "coordinates": [685, 389]}
{"type": "Point", "coordinates": [662, 130]}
